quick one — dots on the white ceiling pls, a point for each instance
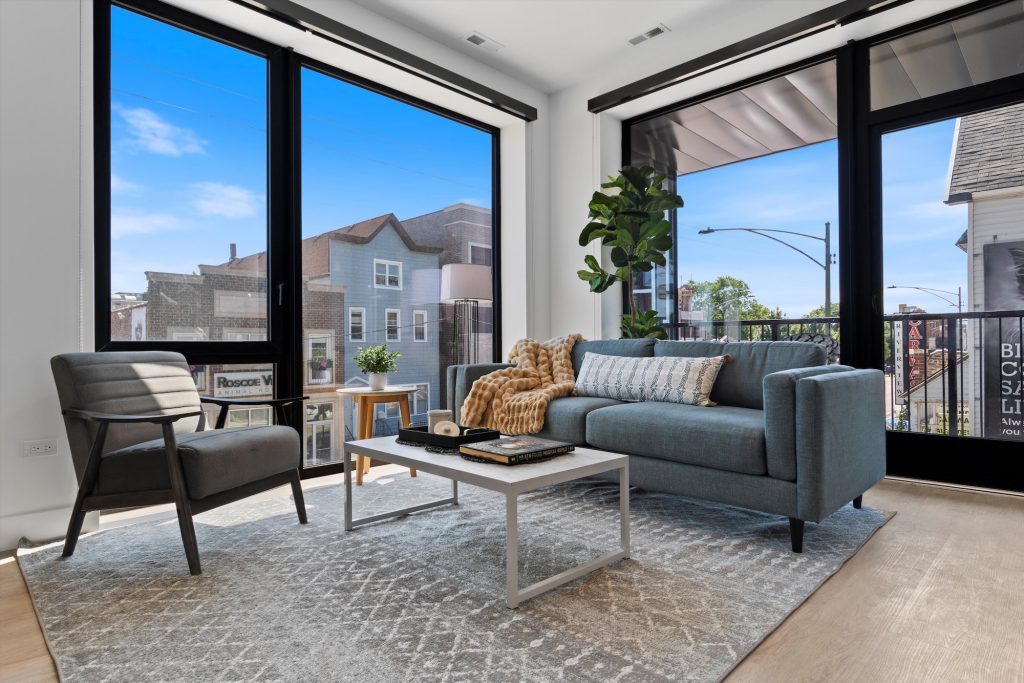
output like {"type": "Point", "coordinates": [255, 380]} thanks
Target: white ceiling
{"type": "Point", "coordinates": [555, 44]}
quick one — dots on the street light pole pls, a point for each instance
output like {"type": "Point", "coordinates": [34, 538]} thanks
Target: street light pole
{"type": "Point", "coordinates": [825, 265]}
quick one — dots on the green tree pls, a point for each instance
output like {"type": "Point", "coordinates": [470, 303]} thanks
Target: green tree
{"type": "Point", "coordinates": [728, 298]}
{"type": "Point", "coordinates": [819, 312]}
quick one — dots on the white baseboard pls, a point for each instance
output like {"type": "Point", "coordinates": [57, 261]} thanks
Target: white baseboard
{"type": "Point", "coordinates": [40, 526]}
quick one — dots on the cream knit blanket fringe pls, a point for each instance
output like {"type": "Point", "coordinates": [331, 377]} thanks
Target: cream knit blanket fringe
{"type": "Point", "coordinates": [514, 400]}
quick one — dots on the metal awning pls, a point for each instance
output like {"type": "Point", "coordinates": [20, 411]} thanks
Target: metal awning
{"type": "Point", "coordinates": [784, 113]}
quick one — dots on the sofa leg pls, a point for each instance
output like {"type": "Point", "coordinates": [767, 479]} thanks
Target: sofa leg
{"type": "Point", "coordinates": [858, 501]}
{"type": "Point", "coordinates": [796, 534]}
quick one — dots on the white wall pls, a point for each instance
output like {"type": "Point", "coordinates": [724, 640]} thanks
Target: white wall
{"type": "Point", "coordinates": [41, 231]}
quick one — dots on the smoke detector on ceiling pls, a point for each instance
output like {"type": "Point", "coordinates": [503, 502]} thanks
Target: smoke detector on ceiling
{"type": "Point", "coordinates": [647, 35]}
{"type": "Point", "coordinates": [480, 40]}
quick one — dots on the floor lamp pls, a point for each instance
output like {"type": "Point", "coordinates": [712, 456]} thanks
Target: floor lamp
{"type": "Point", "coordinates": [464, 286]}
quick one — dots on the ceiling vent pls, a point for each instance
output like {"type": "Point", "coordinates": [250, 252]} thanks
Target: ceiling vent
{"type": "Point", "coordinates": [647, 35]}
{"type": "Point", "coordinates": [480, 40]}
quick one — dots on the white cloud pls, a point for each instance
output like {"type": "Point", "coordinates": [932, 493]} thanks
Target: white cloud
{"type": "Point", "coordinates": [153, 134]}
{"type": "Point", "coordinates": [124, 223]}
{"type": "Point", "coordinates": [119, 184]}
{"type": "Point", "coordinates": [227, 201]}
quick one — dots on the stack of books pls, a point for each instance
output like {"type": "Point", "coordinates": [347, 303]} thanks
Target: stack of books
{"type": "Point", "coordinates": [515, 450]}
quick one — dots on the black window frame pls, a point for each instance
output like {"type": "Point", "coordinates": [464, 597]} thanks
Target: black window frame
{"type": "Point", "coordinates": [284, 347]}
{"type": "Point", "coordinates": [971, 461]}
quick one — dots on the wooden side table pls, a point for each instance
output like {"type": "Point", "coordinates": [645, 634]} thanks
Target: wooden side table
{"type": "Point", "coordinates": [366, 398]}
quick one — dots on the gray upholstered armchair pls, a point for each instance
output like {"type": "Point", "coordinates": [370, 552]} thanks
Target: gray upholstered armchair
{"type": "Point", "coordinates": [137, 434]}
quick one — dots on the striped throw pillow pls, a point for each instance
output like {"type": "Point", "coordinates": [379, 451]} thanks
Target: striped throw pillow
{"type": "Point", "coordinates": [618, 377]}
{"type": "Point", "coordinates": [682, 380]}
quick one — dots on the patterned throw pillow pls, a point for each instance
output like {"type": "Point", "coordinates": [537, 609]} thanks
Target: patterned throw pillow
{"type": "Point", "coordinates": [682, 380]}
{"type": "Point", "coordinates": [618, 377]}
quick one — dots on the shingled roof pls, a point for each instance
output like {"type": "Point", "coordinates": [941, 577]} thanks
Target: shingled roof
{"type": "Point", "coordinates": [989, 153]}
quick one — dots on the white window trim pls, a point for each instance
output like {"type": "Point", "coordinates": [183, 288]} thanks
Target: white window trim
{"type": "Point", "coordinates": [479, 245]}
{"type": "Point", "coordinates": [229, 332]}
{"type": "Point", "coordinates": [362, 313]}
{"type": "Point", "coordinates": [426, 335]}
{"type": "Point", "coordinates": [398, 324]}
{"type": "Point", "coordinates": [249, 412]}
{"type": "Point", "coordinates": [387, 264]}
{"type": "Point", "coordinates": [412, 408]}
{"type": "Point", "coordinates": [187, 334]}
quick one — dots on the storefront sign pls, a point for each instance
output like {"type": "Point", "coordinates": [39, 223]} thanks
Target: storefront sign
{"type": "Point", "coordinates": [243, 384]}
{"type": "Point", "coordinates": [1003, 364]}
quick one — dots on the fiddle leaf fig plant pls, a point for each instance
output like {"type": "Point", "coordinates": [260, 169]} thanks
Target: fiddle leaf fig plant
{"type": "Point", "coordinates": [632, 221]}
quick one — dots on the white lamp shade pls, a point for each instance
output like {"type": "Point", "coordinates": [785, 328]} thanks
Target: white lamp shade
{"type": "Point", "coordinates": [465, 281]}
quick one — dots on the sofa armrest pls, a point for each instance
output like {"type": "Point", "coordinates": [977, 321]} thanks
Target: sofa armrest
{"type": "Point", "coordinates": [840, 439]}
{"type": "Point", "coordinates": [461, 378]}
{"type": "Point", "coordinates": [779, 391]}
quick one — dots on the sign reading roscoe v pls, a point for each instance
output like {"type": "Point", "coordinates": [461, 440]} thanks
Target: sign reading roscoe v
{"type": "Point", "coordinates": [243, 384]}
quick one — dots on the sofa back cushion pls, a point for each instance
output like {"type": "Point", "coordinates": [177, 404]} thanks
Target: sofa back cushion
{"type": "Point", "coordinates": [740, 382]}
{"type": "Point", "coordinates": [633, 348]}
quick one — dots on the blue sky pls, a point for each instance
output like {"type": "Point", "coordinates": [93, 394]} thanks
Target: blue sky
{"type": "Point", "coordinates": [797, 190]}
{"type": "Point", "coordinates": [188, 153]}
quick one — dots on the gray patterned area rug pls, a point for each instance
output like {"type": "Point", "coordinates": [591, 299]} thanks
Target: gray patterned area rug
{"type": "Point", "coordinates": [421, 598]}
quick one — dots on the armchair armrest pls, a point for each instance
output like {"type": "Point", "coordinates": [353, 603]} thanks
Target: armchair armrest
{"type": "Point", "coordinates": [252, 401]}
{"type": "Point", "coordinates": [109, 418]}
{"type": "Point", "coordinates": [840, 439]}
{"type": "Point", "coordinates": [278, 404]}
{"type": "Point", "coordinates": [461, 378]}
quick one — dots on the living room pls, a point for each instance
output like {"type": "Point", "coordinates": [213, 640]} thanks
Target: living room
{"type": "Point", "coordinates": [757, 266]}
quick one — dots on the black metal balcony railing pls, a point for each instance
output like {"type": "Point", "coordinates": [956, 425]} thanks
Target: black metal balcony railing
{"type": "Point", "coordinates": [958, 374]}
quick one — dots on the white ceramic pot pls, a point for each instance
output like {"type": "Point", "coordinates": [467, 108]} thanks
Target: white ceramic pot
{"type": "Point", "coordinates": [378, 380]}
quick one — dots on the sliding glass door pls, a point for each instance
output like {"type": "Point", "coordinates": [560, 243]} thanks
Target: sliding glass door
{"type": "Point", "coordinates": [267, 216]}
{"type": "Point", "coordinates": [908, 151]}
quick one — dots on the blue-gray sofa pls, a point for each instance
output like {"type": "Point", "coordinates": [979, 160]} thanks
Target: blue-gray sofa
{"type": "Point", "coordinates": [790, 435]}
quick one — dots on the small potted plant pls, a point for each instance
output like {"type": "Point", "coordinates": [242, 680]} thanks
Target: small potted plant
{"type": "Point", "coordinates": [377, 362]}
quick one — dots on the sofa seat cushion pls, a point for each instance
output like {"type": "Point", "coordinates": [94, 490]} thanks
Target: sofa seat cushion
{"type": "Point", "coordinates": [566, 418]}
{"type": "Point", "coordinates": [213, 461]}
{"type": "Point", "coordinates": [723, 437]}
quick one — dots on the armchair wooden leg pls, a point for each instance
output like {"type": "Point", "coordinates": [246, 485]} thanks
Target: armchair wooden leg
{"type": "Point", "coordinates": [181, 502]}
{"type": "Point", "coordinates": [300, 501]}
{"type": "Point", "coordinates": [89, 478]}
{"type": "Point", "coordinates": [858, 501]}
{"type": "Point", "coordinates": [796, 534]}
{"type": "Point", "coordinates": [74, 529]}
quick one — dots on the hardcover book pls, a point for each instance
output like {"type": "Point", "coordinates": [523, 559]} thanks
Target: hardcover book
{"type": "Point", "coordinates": [517, 449]}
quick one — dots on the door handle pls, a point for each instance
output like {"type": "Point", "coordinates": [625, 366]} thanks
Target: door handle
{"type": "Point", "coordinates": [280, 294]}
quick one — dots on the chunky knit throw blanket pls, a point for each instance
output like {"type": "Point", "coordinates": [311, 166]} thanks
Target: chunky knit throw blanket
{"type": "Point", "coordinates": [514, 400]}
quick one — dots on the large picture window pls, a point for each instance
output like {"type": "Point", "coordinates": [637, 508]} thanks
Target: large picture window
{"type": "Point", "coordinates": [195, 203]}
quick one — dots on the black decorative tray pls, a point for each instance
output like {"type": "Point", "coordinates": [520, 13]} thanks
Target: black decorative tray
{"type": "Point", "coordinates": [420, 435]}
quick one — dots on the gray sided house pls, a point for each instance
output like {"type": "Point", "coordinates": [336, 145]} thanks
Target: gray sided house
{"type": "Point", "coordinates": [392, 285]}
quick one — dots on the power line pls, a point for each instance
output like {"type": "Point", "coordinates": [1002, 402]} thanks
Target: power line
{"type": "Point", "coordinates": [183, 77]}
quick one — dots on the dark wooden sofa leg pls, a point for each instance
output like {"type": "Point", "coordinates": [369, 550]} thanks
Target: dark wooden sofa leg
{"type": "Point", "coordinates": [796, 534]}
{"type": "Point", "coordinates": [300, 501]}
{"type": "Point", "coordinates": [858, 501]}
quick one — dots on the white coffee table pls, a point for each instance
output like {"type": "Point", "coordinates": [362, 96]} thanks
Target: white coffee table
{"type": "Point", "coordinates": [511, 481]}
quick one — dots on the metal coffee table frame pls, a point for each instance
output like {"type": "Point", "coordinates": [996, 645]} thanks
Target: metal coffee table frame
{"type": "Point", "coordinates": [511, 481]}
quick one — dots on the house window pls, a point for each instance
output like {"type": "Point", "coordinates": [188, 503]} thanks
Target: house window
{"type": "Point", "coordinates": [249, 417]}
{"type": "Point", "coordinates": [320, 355]}
{"type": "Point", "coordinates": [192, 335]}
{"type": "Point", "coordinates": [480, 254]}
{"type": "Point", "coordinates": [387, 274]}
{"type": "Point", "coordinates": [243, 335]}
{"type": "Point", "coordinates": [386, 410]}
{"type": "Point", "coordinates": [319, 432]}
{"type": "Point", "coordinates": [419, 326]}
{"type": "Point", "coordinates": [392, 325]}
{"type": "Point", "coordinates": [421, 399]}
{"type": "Point", "coordinates": [356, 316]}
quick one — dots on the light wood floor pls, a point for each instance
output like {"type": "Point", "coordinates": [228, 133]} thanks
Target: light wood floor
{"type": "Point", "coordinates": [936, 595]}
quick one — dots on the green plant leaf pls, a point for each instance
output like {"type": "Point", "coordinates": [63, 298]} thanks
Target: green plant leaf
{"type": "Point", "coordinates": [619, 257]}
{"type": "Point", "coordinates": [592, 262]}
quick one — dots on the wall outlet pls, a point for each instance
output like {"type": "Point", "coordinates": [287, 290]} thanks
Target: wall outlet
{"type": "Point", "coordinates": [41, 447]}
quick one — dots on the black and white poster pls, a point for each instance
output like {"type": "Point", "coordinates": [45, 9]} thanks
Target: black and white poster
{"type": "Point", "coordinates": [1004, 291]}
